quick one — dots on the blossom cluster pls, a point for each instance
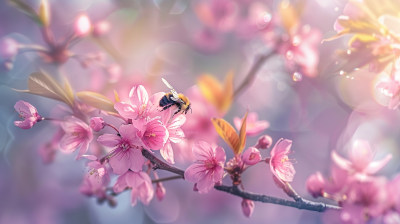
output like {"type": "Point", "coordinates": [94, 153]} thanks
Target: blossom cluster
{"type": "Point", "coordinates": [353, 183]}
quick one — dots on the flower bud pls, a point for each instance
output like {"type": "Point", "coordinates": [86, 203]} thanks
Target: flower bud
{"type": "Point", "coordinates": [315, 185]}
{"type": "Point", "coordinates": [251, 156]}
{"type": "Point", "coordinates": [96, 123]}
{"type": "Point", "coordinates": [160, 191]}
{"type": "Point", "coordinates": [8, 48]}
{"type": "Point", "coordinates": [264, 142]}
{"type": "Point", "coordinates": [101, 28]}
{"type": "Point", "coordinates": [82, 25]}
{"type": "Point", "coordinates": [247, 207]}
{"type": "Point", "coordinates": [28, 113]}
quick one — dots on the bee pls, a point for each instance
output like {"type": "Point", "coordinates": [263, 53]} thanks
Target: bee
{"type": "Point", "coordinates": [173, 98]}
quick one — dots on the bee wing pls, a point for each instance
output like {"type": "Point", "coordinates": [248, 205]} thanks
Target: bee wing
{"type": "Point", "coordinates": [174, 93]}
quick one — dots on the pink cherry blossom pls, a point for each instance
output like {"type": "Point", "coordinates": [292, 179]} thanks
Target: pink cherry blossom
{"type": "Point", "coordinates": [96, 123]}
{"type": "Point", "coordinates": [139, 182]}
{"type": "Point", "coordinates": [175, 134]}
{"type": "Point", "coordinates": [280, 165]}
{"type": "Point", "coordinates": [367, 197]}
{"type": "Point", "coordinates": [154, 135]}
{"type": "Point", "coordinates": [96, 180]}
{"type": "Point", "coordinates": [137, 107]}
{"type": "Point", "coordinates": [251, 156]}
{"type": "Point", "coordinates": [208, 168]}
{"type": "Point", "coordinates": [77, 135]}
{"type": "Point", "coordinates": [127, 149]}
{"type": "Point", "coordinates": [218, 14]}
{"type": "Point", "coordinates": [315, 185]}
{"type": "Point", "coordinates": [28, 113]}
{"type": "Point", "coordinates": [361, 159]}
{"type": "Point", "coordinates": [301, 51]}
{"type": "Point", "coordinates": [247, 207]}
{"type": "Point", "coordinates": [253, 125]}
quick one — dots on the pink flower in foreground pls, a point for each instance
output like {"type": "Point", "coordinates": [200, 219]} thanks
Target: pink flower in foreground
{"type": "Point", "coordinates": [251, 156]}
{"type": "Point", "coordinates": [96, 180]}
{"type": "Point", "coordinates": [139, 182]}
{"type": "Point", "coordinates": [138, 105]}
{"type": "Point", "coordinates": [175, 132]}
{"type": "Point", "coordinates": [154, 134]}
{"type": "Point", "coordinates": [77, 135]}
{"type": "Point", "coordinates": [28, 113]}
{"type": "Point", "coordinates": [208, 168]}
{"type": "Point", "coordinates": [280, 165]}
{"type": "Point", "coordinates": [253, 125]}
{"type": "Point", "coordinates": [247, 207]}
{"type": "Point", "coordinates": [127, 149]}
{"type": "Point", "coordinates": [361, 157]}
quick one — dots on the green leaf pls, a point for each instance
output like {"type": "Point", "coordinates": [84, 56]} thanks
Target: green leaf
{"type": "Point", "coordinates": [40, 83]}
{"type": "Point", "coordinates": [27, 10]}
{"type": "Point", "coordinates": [96, 100]}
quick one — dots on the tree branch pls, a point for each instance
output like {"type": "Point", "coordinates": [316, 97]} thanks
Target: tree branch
{"type": "Point", "coordinates": [158, 164]}
{"type": "Point", "coordinates": [300, 202]}
{"type": "Point", "coordinates": [253, 72]}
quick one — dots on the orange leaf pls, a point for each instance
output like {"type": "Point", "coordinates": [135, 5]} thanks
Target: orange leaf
{"type": "Point", "coordinates": [217, 94]}
{"type": "Point", "coordinates": [210, 88]}
{"type": "Point", "coordinates": [227, 94]}
{"type": "Point", "coordinates": [242, 135]}
{"type": "Point", "coordinates": [227, 133]}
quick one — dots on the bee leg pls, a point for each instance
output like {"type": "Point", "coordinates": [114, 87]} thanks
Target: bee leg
{"type": "Point", "coordinates": [179, 109]}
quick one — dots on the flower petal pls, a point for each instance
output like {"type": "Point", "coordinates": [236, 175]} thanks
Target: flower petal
{"type": "Point", "coordinates": [375, 166]}
{"type": "Point", "coordinates": [205, 184]}
{"type": "Point", "coordinates": [195, 172]}
{"type": "Point", "coordinates": [109, 140]}
{"type": "Point", "coordinates": [126, 110]}
{"type": "Point", "coordinates": [282, 146]}
{"type": "Point", "coordinates": [120, 162]}
{"type": "Point", "coordinates": [340, 161]}
{"type": "Point", "coordinates": [168, 153]}
{"type": "Point", "coordinates": [136, 159]}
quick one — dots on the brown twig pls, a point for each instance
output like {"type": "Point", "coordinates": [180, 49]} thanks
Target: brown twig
{"type": "Point", "coordinates": [260, 60]}
{"type": "Point", "coordinates": [299, 202]}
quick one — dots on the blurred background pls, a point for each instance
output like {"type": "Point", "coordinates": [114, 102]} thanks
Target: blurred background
{"type": "Point", "coordinates": [147, 39]}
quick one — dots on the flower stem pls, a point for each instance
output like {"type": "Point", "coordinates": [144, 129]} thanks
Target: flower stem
{"type": "Point", "coordinates": [166, 179]}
